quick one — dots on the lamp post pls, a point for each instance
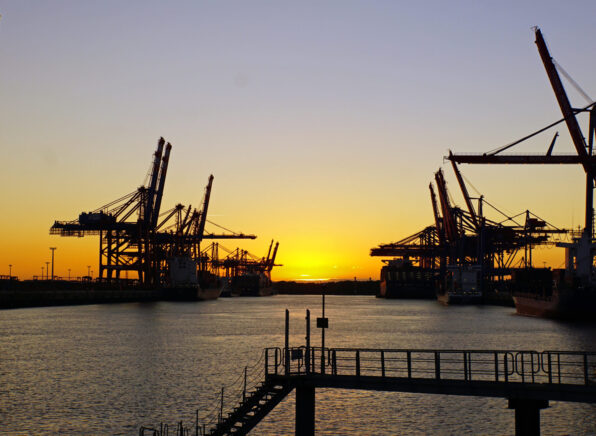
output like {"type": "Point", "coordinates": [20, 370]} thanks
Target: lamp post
{"type": "Point", "coordinates": [53, 249]}
{"type": "Point", "coordinates": [47, 270]}
{"type": "Point", "coordinates": [89, 271]}
{"type": "Point", "coordinates": [42, 273]}
{"type": "Point", "coordinates": [68, 273]}
{"type": "Point", "coordinates": [9, 271]}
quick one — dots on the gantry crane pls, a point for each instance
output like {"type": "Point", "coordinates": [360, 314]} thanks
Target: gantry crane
{"type": "Point", "coordinates": [135, 237]}
{"type": "Point", "coordinates": [579, 254]}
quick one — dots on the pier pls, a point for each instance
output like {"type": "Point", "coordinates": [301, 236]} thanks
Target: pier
{"type": "Point", "coordinates": [529, 380]}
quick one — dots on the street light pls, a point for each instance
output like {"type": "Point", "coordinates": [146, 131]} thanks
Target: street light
{"type": "Point", "coordinates": [68, 273]}
{"type": "Point", "coordinates": [42, 273]}
{"type": "Point", "coordinates": [89, 271]}
{"type": "Point", "coordinates": [9, 270]}
{"type": "Point", "coordinates": [53, 249]}
{"type": "Point", "coordinates": [47, 270]}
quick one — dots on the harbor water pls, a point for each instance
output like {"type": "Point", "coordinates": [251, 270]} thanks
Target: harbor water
{"type": "Point", "coordinates": [109, 369]}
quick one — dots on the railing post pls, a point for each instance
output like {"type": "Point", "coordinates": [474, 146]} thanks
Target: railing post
{"type": "Point", "coordinates": [506, 368]}
{"type": "Point", "coordinates": [586, 378]}
{"type": "Point", "coordinates": [358, 363]}
{"type": "Point", "coordinates": [266, 362]}
{"type": "Point", "coordinates": [496, 366]}
{"type": "Point", "coordinates": [334, 362]}
{"type": "Point", "coordinates": [382, 363]}
{"type": "Point", "coordinates": [465, 366]}
{"type": "Point", "coordinates": [437, 366]}
{"type": "Point", "coordinates": [522, 368]}
{"type": "Point", "coordinates": [409, 358]}
{"type": "Point", "coordinates": [197, 423]}
{"type": "Point", "coordinates": [532, 365]}
{"type": "Point", "coordinates": [550, 369]}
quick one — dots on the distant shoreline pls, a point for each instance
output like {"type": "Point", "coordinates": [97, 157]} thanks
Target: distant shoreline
{"type": "Point", "coordinates": [342, 287]}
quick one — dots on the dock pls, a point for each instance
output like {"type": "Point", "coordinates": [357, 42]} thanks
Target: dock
{"type": "Point", "coordinates": [529, 380]}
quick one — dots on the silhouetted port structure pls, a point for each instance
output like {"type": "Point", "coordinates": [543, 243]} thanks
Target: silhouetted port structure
{"type": "Point", "coordinates": [135, 236]}
{"type": "Point", "coordinates": [528, 379]}
{"type": "Point", "coordinates": [581, 251]}
{"type": "Point", "coordinates": [465, 240]}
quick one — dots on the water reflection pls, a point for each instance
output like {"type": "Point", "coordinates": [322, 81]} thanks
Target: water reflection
{"type": "Point", "coordinates": [111, 368]}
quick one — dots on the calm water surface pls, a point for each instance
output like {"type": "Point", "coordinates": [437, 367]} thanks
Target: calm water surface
{"type": "Point", "coordinates": [108, 369]}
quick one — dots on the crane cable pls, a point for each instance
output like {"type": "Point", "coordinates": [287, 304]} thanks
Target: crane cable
{"type": "Point", "coordinates": [573, 82]}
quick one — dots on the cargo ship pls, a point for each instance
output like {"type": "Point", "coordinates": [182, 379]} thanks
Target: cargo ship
{"type": "Point", "coordinates": [252, 285]}
{"type": "Point", "coordinates": [247, 275]}
{"type": "Point", "coordinates": [401, 279]}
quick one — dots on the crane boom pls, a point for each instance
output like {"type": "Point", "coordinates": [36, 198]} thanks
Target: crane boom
{"type": "Point", "coordinates": [203, 218]}
{"type": "Point", "coordinates": [566, 109]}
{"type": "Point", "coordinates": [433, 199]}
{"type": "Point", "coordinates": [153, 183]}
{"type": "Point", "coordinates": [448, 220]}
{"type": "Point", "coordinates": [162, 181]}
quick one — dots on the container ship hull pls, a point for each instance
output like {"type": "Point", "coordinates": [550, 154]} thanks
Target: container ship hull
{"type": "Point", "coordinates": [62, 293]}
{"type": "Point", "coordinates": [395, 289]}
{"type": "Point", "coordinates": [452, 298]}
{"type": "Point", "coordinates": [572, 304]}
{"type": "Point", "coordinates": [400, 279]}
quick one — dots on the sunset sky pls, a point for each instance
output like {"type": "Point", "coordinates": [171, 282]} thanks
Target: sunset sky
{"type": "Point", "coordinates": [322, 122]}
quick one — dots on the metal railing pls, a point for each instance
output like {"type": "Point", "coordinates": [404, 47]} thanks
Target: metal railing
{"type": "Point", "coordinates": [526, 366]}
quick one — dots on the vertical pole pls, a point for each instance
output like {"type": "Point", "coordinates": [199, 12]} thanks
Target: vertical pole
{"type": "Point", "coordinates": [305, 410]}
{"type": "Point", "coordinates": [496, 366]}
{"type": "Point", "coordinates": [586, 379]}
{"type": "Point", "coordinates": [437, 366]}
{"type": "Point", "coordinates": [382, 363]}
{"type": "Point", "coordinates": [506, 369]}
{"type": "Point", "coordinates": [197, 423]}
{"type": "Point", "coordinates": [358, 363]}
{"type": "Point", "coordinates": [409, 357]}
{"type": "Point", "coordinates": [323, 337]}
{"type": "Point", "coordinates": [334, 356]}
{"type": "Point", "coordinates": [287, 344]}
{"type": "Point", "coordinates": [307, 357]}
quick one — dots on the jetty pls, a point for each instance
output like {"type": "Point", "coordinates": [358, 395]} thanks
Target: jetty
{"type": "Point", "coordinates": [529, 380]}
